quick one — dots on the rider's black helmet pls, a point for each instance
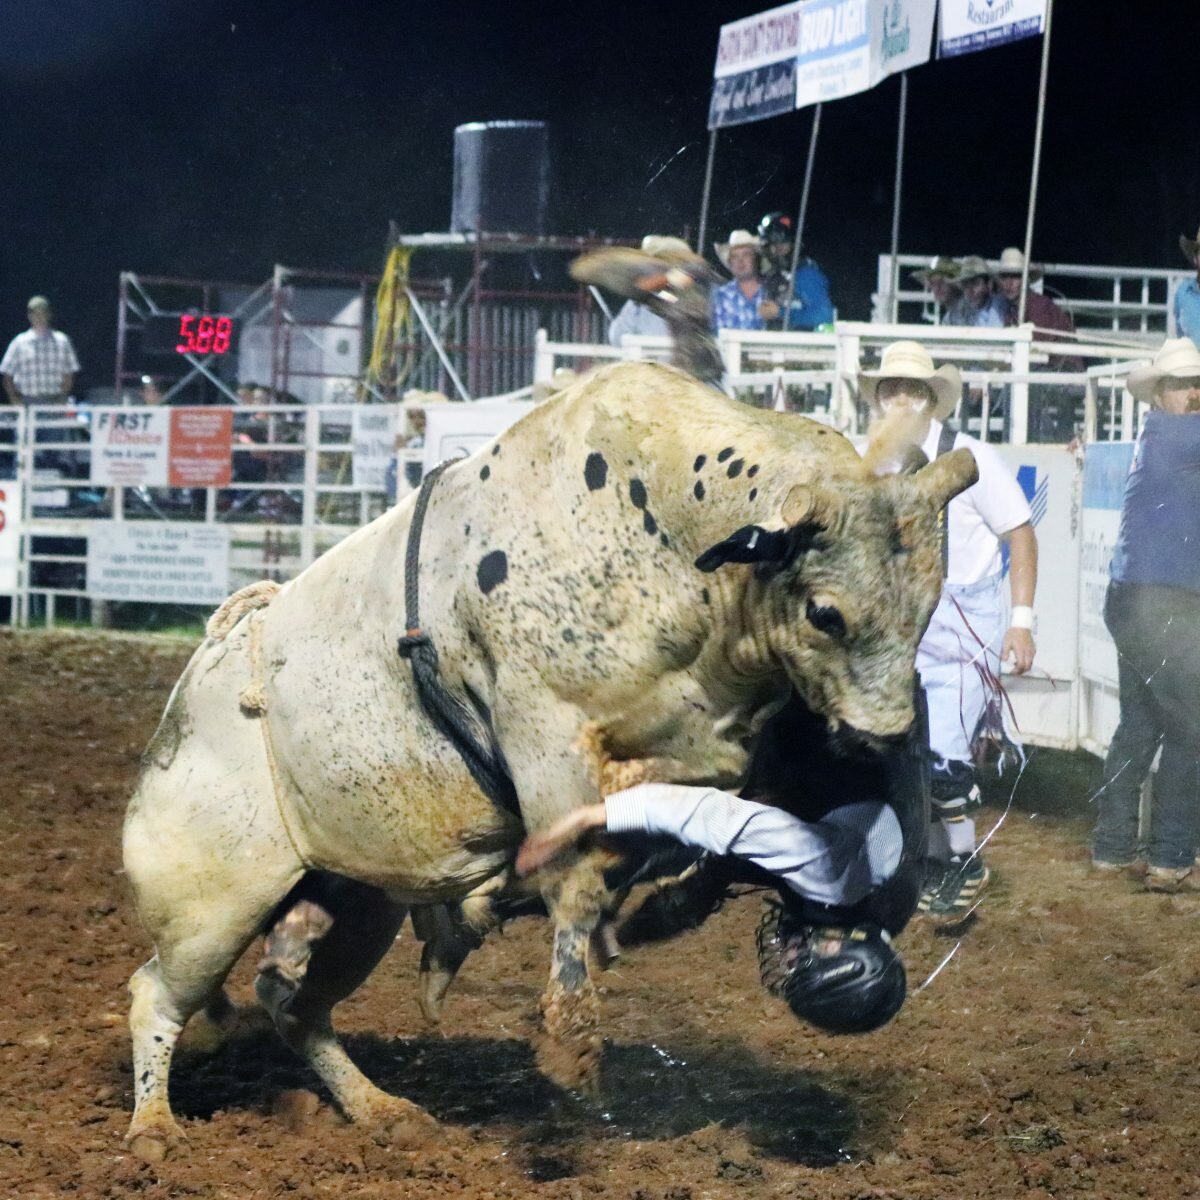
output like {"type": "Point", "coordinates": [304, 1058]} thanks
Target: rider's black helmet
{"type": "Point", "coordinates": [776, 227]}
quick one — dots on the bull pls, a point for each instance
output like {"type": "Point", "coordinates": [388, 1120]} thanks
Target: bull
{"type": "Point", "coordinates": [582, 648]}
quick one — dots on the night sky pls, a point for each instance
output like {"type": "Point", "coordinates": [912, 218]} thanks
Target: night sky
{"type": "Point", "coordinates": [216, 139]}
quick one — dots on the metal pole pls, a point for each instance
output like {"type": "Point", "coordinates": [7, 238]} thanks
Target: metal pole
{"type": "Point", "coordinates": [1037, 160]}
{"type": "Point", "coordinates": [708, 175]}
{"type": "Point", "coordinates": [122, 317]}
{"type": "Point", "coordinates": [808, 172]}
{"type": "Point", "coordinates": [435, 342]}
{"type": "Point", "coordinates": [895, 284]}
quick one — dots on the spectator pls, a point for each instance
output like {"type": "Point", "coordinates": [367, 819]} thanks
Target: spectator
{"type": "Point", "coordinates": [738, 303]}
{"type": "Point", "coordinates": [1152, 610]}
{"type": "Point", "coordinates": [1050, 322]}
{"type": "Point", "coordinates": [811, 306]}
{"type": "Point", "coordinates": [960, 655]}
{"type": "Point", "coordinates": [978, 305]}
{"type": "Point", "coordinates": [39, 365]}
{"type": "Point", "coordinates": [636, 318]}
{"type": "Point", "coordinates": [939, 279]}
{"type": "Point", "coordinates": [1187, 298]}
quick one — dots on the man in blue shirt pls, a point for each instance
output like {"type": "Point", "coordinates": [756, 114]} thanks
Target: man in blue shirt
{"type": "Point", "coordinates": [1152, 610]}
{"type": "Point", "coordinates": [810, 306]}
{"type": "Point", "coordinates": [738, 304]}
{"type": "Point", "coordinates": [978, 305]}
{"type": "Point", "coordinates": [1187, 299]}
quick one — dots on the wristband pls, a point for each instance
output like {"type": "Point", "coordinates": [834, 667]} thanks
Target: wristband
{"type": "Point", "coordinates": [1022, 617]}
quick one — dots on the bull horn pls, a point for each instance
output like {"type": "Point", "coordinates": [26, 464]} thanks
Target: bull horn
{"type": "Point", "coordinates": [947, 476]}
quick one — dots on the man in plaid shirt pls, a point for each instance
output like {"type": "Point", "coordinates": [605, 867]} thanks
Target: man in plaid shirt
{"type": "Point", "coordinates": [39, 365]}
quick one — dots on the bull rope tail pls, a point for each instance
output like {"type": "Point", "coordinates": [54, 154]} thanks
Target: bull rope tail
{"type": "Point", "coordinates": [454, 719]}
{"type": "Point", "coordinates": [253, 702]}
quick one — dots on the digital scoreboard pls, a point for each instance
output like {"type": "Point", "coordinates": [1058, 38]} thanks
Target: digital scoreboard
{"type": "Point", "coordinates": [191, 334]}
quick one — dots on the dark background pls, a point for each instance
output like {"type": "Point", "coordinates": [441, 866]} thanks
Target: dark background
{"type": "Point", "coordinates": [217, 139]}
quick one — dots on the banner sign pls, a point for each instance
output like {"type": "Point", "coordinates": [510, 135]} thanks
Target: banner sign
{"type": "Point", "coordinates": [373, 435]}
{"type": "Point", "coordinates": [153, 560]}
{"type": "Point", "coordinates": [162, 447]}
{"type": "Point", "coordinates": [965, 26]}
{"type": "Point", "coordinates": [200, 447]}
{"type": "Point", "coordinates": [456, 430]}
{"type": "Point", "coordinates": [1105, 469]}
{"type": "Point", "coordinates": [10, 536]}
{"type": "Point", "coordinates": [820, 49]}
{"type": "Point", "coordinates": [755, 72]}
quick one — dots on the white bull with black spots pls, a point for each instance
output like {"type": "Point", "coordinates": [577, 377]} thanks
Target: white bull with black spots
{"type": "Point", "coordinates": [559, 583]}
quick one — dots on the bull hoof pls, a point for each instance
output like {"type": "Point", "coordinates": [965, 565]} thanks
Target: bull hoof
{"type": "Point", "coordinates": [403, 1125]}
{"type": "Point", "coordinates": [568, 1053]}
{"type": "Point", "coordinates": [157, 1144]}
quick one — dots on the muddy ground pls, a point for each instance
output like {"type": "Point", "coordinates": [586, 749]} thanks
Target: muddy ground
{"type": "Point", "coordinates": [1057, 1052]}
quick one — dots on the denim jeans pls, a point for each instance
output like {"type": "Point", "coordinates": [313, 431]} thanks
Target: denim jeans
{"type": "Point", "coordinates": [1157, 633]}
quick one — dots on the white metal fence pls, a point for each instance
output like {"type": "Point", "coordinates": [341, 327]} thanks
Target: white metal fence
{"type": "Point", "coordinates": [1014, 388]}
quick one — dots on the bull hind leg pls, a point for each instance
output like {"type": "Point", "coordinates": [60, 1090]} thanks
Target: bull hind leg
{"type": "Point", "coordinates": [318, 954]}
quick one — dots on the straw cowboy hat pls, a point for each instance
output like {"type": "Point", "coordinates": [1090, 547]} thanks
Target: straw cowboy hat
{"type": "Point", "coordinates": [910, 360]}
{"type": "Point", "coordinates": [739, 237]}
{"type": "Point", "coordinates": [1012, 262]}
{"type": "Point", "coordinates": [1190, 246]}
{"type": "Point", "coordinates": [973, 267]}
{"type": "Point", "coordinates": [941, 265]}
{"type": "Point", "coordinates": [658, 246]}
{"type": "Point", "coordinates": [1178, 357]}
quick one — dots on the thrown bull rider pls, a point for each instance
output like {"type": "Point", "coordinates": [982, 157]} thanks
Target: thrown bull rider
{"type": "Point", "coordinates": [842, 843]}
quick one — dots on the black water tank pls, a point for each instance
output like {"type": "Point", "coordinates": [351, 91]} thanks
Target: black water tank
{"type": "Point", "coordinates": [501, 177]}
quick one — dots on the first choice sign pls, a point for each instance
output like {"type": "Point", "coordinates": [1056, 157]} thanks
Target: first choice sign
{"type": "Point", "coordinates": [162, 447]}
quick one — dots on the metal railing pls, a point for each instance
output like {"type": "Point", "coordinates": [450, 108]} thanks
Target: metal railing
{"type": "Point", "coordinates": [1011, 393]}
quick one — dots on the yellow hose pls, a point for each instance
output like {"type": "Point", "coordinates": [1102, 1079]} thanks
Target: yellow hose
{"type": "Point", "coordinates": [393, 324]}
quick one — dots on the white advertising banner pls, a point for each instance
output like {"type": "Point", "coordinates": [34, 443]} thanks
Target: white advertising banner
{"type": "Point", "coordinates": [373, 434]}
{"type": "Point", "coordinates": [755, 73]}
{"type": "Point", "coordinates": [835, 50]}
{"type": "Point", "coordinates": [10, 536]}
{"type": "Point", "coordinates": [154, 560]}
{"type": "Point", "coordinates": [901, 35]}
{"type": "Point", "coordinates": [1106, 468]}
{"type": "Point", "coordinates": [131, 446]}
{"type": "Point", "coordinates": [969, 25]}
{"type": "Point", "coordinates": [457, 430]}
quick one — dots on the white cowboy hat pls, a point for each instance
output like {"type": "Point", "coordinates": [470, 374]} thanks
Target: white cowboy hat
{"type": "Point", "coordinates": [973, 267]}
{"type": "Point", "coordinates": [659, 246]}
{"type": "Point", "coordinates": [739, 237]}
{"type": "Point", "coordinates": [1190, 246]}
{"type": "Point", "coordinates": [1178, 357]}
{"type": "Point", "coordinates": [1012, 262]}
{"type": "Point", "coordinates": [910, 360]}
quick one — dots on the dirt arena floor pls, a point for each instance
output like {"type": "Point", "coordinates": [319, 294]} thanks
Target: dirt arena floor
{"type": "Point", "coordinates": [1055, 1053]}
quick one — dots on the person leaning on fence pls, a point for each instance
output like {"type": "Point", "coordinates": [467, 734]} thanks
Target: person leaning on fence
{"type": "Point", "coordinates": [739, 304]}
{"type": "Point", "coordinates": [940, 280]}
{"type": "Point", "coordinates": [1050, 322]}
{"type": "Point", "coordinates": [978, 305]}
{"type": "Point", "coordinates": [39, 366]}
{"type": "Point", "coordinates": [1187, 299]}
{"type": "Point", "coordinates": [1152, 610]}
{"type": "Point", "coordinates": [635, 318]}
{"type": "Point", "coordinates": [968, 636]}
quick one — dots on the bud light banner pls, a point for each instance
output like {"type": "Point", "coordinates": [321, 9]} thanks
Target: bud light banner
{"type": "Point", "coordinates": [969, 25]}
{"type": "Point", "coordinates": [755, 72]}
{"type": "Point", "coordinates": [815, 50]}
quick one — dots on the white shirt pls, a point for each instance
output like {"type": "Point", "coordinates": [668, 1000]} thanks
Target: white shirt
{"type": "Point", "coordinates": [981, 515]}
{"type": "Point", "coordinates": [836, 860]}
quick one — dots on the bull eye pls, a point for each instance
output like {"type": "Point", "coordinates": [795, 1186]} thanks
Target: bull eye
{"type": "Point", "coordinates": [827, 619]}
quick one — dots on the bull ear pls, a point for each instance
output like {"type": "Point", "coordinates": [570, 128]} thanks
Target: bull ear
{"type": "Point", "coordinates": [750, 544]}
{"type": "Point", "coordinates": [946, 476]}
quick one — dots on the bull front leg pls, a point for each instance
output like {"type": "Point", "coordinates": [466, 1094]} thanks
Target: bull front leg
{"type": "Point", "coordinates": [569, 1050]}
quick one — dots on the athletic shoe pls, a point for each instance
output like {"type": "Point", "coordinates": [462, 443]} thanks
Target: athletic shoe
{"type": "Point", "coordinates": [1172, 879]}
{"type": "Point", "coordinates": [951, 888]}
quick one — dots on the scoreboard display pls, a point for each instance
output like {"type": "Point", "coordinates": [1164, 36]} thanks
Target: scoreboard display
{"type": "Point", "coordinates": [191, 334]}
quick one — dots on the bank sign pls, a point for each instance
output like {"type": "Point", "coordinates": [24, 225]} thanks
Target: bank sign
{"type": "Point", "coordinates": [969, 25]}
{"type": "Point", "coordinates": [814, 50]}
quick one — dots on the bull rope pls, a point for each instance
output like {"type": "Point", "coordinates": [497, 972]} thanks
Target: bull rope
{"type": "Point", "coordinates": [453, 717]}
